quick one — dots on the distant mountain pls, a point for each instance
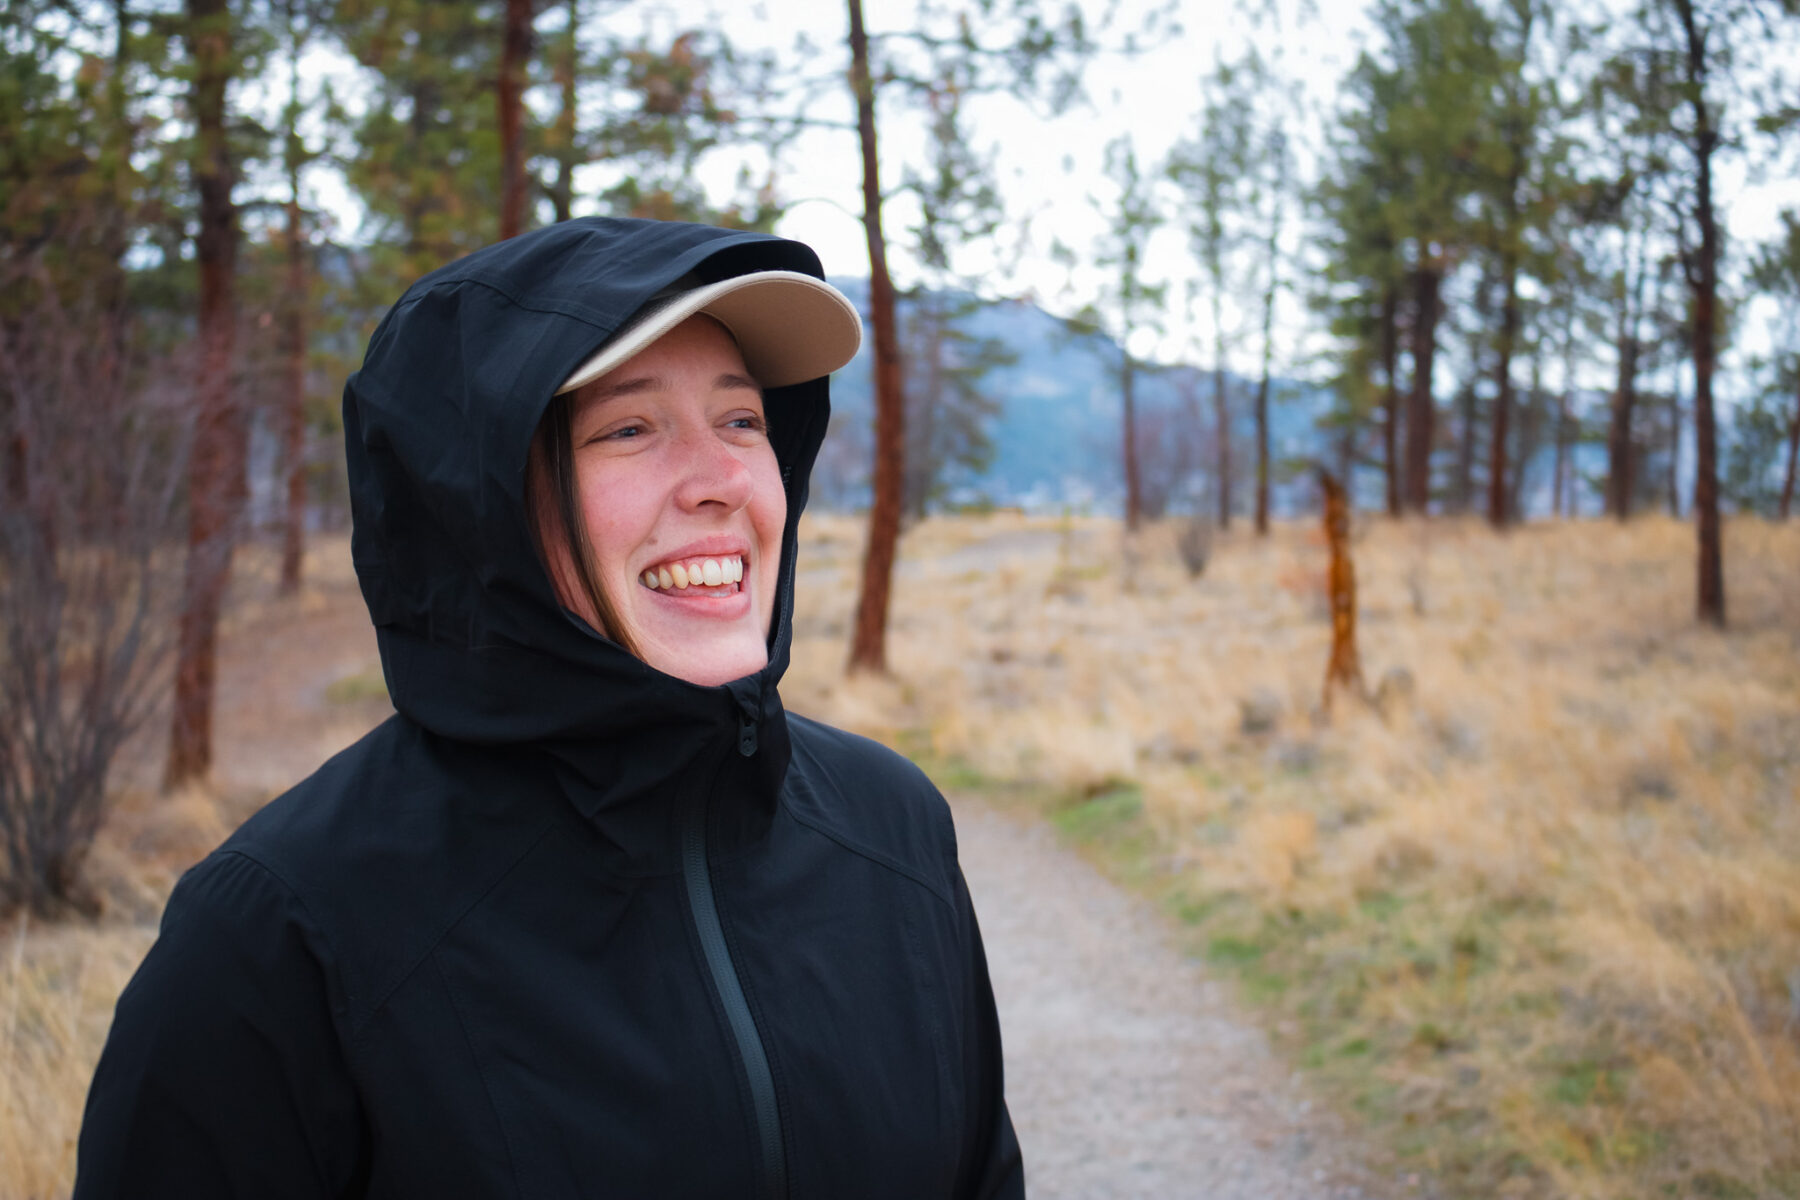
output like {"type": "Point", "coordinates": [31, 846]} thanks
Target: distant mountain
{"type": "Point", "coordinates": [1057, 438]}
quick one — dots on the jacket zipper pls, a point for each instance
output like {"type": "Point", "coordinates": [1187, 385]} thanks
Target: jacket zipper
{"type": "Point", "coordinates": [697, 873]}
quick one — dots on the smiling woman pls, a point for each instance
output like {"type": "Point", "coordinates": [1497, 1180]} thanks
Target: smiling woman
{"type": "Point", "coordinates": [672, 475]}
{"type": "Point", "coordinates": [591, 915]}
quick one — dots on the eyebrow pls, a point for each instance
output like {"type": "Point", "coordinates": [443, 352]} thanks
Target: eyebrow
{"type": "Point", "coordinates": [637, 385]}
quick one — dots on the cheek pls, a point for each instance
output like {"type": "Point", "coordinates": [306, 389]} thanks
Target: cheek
{"type": "Point", "coordinates": [768, 507]}
{"type": "Point", "coordinates": [619, 509]}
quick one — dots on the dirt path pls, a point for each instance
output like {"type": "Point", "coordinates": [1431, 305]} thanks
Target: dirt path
{"type": "Point", "coordinates": [1128, 1073]}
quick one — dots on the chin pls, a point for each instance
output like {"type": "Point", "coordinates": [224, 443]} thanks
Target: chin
{"type": "Point", "coordinates": [708, 667]}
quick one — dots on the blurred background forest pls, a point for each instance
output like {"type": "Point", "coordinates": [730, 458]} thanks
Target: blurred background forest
{"type": "Point", "coordinates": [1523, 278]}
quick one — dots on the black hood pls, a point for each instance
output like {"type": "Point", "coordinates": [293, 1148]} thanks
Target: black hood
{"type": "Point", "coordinates": [437, 423]}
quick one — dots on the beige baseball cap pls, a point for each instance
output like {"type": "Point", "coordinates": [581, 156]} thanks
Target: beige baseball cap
{"type": "Point", "coordinates": [789, 327]}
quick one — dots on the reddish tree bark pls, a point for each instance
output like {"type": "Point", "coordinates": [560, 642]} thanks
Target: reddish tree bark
{"type": "Point", "coordinates": [1703, 281]}
{"type": "Point", "coordinates": [216, 471]}
{"type": "Point", "coordinates": [1421, 412]}
{"type": "Point", "coordinates": [515, 47]}
{"type": "Point", "coordinates": [1344, 669]}
{"type": "Point", "coordinates": [868, 648]}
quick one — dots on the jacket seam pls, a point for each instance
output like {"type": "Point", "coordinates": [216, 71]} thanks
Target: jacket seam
{"type": "Point", "coordinates": [359, 1027]}
{"type": "Point", "coordinates": [512, 1157]}
{"type": "Point", "coordinates": [574, 313]}
{"type": "Point", "coordinates": [874, 856]}
{"type": "Point", "coordinates": [313, 920]}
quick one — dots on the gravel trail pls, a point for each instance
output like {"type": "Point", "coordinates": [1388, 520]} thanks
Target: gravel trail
{"type": "Point", "coordinates": [1128, 1073]}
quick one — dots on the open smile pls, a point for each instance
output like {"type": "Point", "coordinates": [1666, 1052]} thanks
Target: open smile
{"type": "Point", "coordinates": [721, 575]}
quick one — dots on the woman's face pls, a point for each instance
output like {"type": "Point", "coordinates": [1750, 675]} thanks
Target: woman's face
{"type": "Point", "coordinates": [682, 496]}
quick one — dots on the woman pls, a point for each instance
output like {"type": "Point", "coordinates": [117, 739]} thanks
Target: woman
{"type": "Point", "coordinates": [591, 915]}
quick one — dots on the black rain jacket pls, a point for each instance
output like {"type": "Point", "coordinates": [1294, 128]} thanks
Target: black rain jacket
{"type": "Point", "coordinates": [565, 926]}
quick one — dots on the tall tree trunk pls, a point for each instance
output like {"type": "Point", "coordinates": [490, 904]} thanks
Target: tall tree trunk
{"type": "Point", "coordinates": [1421, 413]}
{"type": "Point", "coordinates": [1562, 453]}
{"type": "Point", "coordinates": [562, 190]}
{"type": "Point", "coordinates": [1498, 492]}
{"type": "Point", "coordinates": [515, 48]}
{"type": "Point", "coordinates": [293, 407]}
{"type": "Point", "coordinates": [1787, 486]}
{"type": "Point", "coordinates": [1620, 456]}
{"type": "Point", "coordinates": [216, 470]}
{"type": "Point", "coordinates": [1620, 483]}
{"type": "Point", "coordinates": [1703, 278]}
{"type": "Point", "coordinates": [868, 649]}
{"type": "Point", "coordinates": [1467, 404]}
{"type": "Point", "coordinates": [1272, 253]}
{"type": "Point", "coordinates": [1672, 476]}
{"type": "Point", "coordinates": [1390, 394]}
{"type": "Point", "coordinates": [1262, 390]}
{"type": "Point", "coordinates": [1564, 488]}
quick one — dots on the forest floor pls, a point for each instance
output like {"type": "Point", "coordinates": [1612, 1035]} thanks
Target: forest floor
{"type": "Point", "coordinates": [1527, 925]}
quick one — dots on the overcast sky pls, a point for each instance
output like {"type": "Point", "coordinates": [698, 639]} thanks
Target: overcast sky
{"type": "Point", "coordinates": [1050, 169]}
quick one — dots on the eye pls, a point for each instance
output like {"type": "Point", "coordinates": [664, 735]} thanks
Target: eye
{"type": "Point", "coordinates": [753, 422]}
{"type": "Point", "coordinates": [617, 433]}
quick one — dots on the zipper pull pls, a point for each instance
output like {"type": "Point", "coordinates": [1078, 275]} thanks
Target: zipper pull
{"type": "Point", "coordinates": [746, 736]}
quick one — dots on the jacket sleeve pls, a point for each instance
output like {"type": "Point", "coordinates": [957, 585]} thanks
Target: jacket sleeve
{"type": "Point", "coordinates": [223, 1075]}
{"type": "Point", "coordinates": [992, 1166]}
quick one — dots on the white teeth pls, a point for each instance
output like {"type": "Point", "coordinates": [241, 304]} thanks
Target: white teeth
{"type": "Point", "coordinates": [705, 572]}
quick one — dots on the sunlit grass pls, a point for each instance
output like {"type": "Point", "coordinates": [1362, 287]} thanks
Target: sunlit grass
{"type": "Point", "coordinates": [1536, 919]}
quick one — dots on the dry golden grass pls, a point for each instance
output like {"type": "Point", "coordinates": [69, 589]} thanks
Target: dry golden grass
{"type": "Point", "coordinates": [1536, 919]}
{"type": "Point", "coordinates": [275, 722]}
{"type": "Point", "coordinates": [1537, 916]}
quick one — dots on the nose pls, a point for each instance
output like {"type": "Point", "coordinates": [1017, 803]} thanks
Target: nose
{"type": "Point", "coordinates": [710, 473]}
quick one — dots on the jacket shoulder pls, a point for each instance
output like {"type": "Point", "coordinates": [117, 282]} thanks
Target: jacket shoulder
{"type": "Point", "coordinates": [873, 801]}
{"type": "Point", "coordinates": [389, 844]}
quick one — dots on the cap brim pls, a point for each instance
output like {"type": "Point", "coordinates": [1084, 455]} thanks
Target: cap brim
{"type": "Point", "coordinates": [789, 327]}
